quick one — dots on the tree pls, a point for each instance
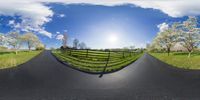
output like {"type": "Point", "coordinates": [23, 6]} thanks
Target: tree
{"type": "Point", "coordinates": [14, 40]}
{"type": "Point", "coordinates": [64, 40]}
{"type": "Point", "coordinates": [189, 36]}
{"type": "Point", "coordinates": [82, 45]}
{"type": "Point", "coordinates": [75, 43]}
{"type": "Point", "coordinates": [2, 40]}
{"type": "Point", "coordinates": [31, 39]}
{"type": "Point", "coordinates": [155, 46]}
{"type": "Point", "coordinates": [40, 46]}
{"type": "Point", "coordinates": [167, 38]}
{"type": "Point", "coordinates": [125, 48]}
{"type": "Point", "coordinates": [132, 47]}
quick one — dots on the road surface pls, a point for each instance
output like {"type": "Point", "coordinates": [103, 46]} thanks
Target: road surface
{"type": "Point", "coordinates": [44, 78]}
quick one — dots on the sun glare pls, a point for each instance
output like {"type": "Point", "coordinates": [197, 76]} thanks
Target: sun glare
{"type": "Point", "coordinates": [112, 38]}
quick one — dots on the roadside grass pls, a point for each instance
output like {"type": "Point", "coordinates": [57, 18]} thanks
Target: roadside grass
{"type": "Point", "coordinates": [95, 61]}
{"type": "Point", "coordinates": [180, 59]}
{"type": "Point", "coordinates": [9, 59]}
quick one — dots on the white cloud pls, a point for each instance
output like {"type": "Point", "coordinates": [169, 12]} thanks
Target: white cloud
{"type": "Point", "coordinates": [14, 25]}
{"type": "Point", "coordinates": [42, 31]}
{"type": "Point", "coordinates": [59, 37]}
{"type": "Point", "coordinates": [58, 32]}
{"type": "Point", "coordinates": [61, 15]}
{"type": "Point", "coordinates": [11, 22]}
{"type": "Point", "coordinates": [174, 8]}
{"type": "Point", "coordinates": [34, 13]}
{"type": "Point", "coordinates": [163, 26]}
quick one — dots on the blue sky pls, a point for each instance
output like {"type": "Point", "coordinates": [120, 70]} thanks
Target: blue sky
{"type": "Point", "coordinates": [98, 26]}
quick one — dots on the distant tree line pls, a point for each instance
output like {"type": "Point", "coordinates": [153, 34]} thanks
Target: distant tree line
{"type": "Point", "coordinates": [81, 45]}
{"type": "Point", "coordinates": [76, 44]}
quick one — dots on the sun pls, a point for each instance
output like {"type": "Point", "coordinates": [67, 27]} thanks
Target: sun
{"type": "Point", "coordinates": [112, 38]}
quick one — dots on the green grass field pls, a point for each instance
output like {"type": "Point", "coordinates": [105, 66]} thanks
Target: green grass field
{"type": "Point", "coordinates": [180, 60]}
{"type": "Point", "coordinates": [95, 61]}
{"type": "Point", "coordinates": [10, 59]}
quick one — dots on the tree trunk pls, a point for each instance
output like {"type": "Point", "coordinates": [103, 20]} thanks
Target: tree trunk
{"type": "Point", "coordinates": [29, 47]}
{"type": "Point", "coordinates": [189, 54]}
{"type": "Point", "coordinates": [190, 51]}
{"type": "Point", "coordinates": [168, 51]}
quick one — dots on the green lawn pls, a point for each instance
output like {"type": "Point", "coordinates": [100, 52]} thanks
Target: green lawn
{"type": "Point", "coordinates": [180, 60]}
{"type": "Point", "coordinates": [95, 61]}
{"type": "Point", "coordinates": [10, 59]}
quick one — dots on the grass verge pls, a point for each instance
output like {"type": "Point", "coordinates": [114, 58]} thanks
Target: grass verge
{"type": "Point", "coordinates": [180, 60]}
{"type": "Point", "coordinates": [10, 59]}
{"type": "Point", "coordinates": [95, 61]}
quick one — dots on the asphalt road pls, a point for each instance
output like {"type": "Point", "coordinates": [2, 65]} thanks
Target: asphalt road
{"type": "Point", "coordinates": [44, 78]}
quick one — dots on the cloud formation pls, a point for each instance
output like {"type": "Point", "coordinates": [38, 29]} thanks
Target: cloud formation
{"type": "Point", "coordinates": [174, 8]}
{"type": "Point", "coordinates": [59, 37]}
{"type": "Point", "coordinates": [162, 27]}
{"type": "Point", "coordinates": [34, 13]}
{"type": "Point", "coordinates": [61, 15]}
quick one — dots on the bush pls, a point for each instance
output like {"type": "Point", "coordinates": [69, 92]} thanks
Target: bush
{"type": "Point", "coordinates": [39, 48]}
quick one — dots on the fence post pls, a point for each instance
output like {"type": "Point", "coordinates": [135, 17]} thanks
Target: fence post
{"type": "Point", "coordinates": [87, 53]}
{"type": "Point", "coordinates": [123, 55]}
{"type": "Point", "coordinates": [70, 52]}
{"type": "Point", "coordinates": [106, 64]}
